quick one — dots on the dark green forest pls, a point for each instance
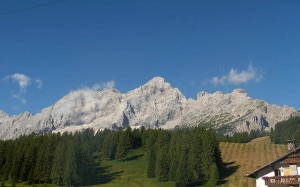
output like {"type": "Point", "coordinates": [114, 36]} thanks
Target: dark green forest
{"type": "Point", "coordinates": [242, 137]}
{"type": "Point", "coordinates": [286, 130]}
{"type": "Point", "coordinates": [188, 156]}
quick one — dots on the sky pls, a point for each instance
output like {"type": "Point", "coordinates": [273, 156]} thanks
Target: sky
{"type": "Point", "coordinates": [49, 48]}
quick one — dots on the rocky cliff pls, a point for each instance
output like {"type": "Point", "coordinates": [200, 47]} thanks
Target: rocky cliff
{"type": "Point", "coordinates": [155, 104]}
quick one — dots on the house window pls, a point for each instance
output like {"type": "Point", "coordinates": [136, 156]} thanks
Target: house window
{"type": "Point", "coordinates": [277, 172]}
{"type": "Point", "coordinates": [293, 170]}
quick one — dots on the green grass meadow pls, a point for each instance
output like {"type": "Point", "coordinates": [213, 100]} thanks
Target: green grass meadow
{"type": "Point", "coordinates": [240, 159]}
{"type": "Point", "coordinates": [132, 172]}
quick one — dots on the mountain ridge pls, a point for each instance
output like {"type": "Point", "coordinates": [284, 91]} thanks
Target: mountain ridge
{"type": "Point", "coordinates": [154, 104]}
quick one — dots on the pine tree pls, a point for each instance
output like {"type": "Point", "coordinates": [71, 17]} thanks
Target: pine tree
{"type": "Point", "coordinates": [44, 158]}
{"type": "Point", "coordinates": [57, 170]}
{"type": "Point", "coordinates": [70, 174]}
{"type": "Point", "coordinates": [213, 175]}
{"type": "Point", "coordinates": [151, 164]}
{"type": "Point", "coordinates": [125, 143]}
{"type": "Point", "coordinates": [110, 144]}
{"type": "Point", "coordinates": [181, 175]}
{"type": "Point", "coordinates": [2, 154]}
{"type": "Point", "coordinates": [173, 169]}
{"type": "Point", "coordinates": [8, 156]}
{"type": "Point", "coordinates": [173, 155]}
{"type": "Point", "coordinates": [16, 164]}
{"type": "Point", "coordinates": [29, 156]}
{"type": "Point", "coordinates": [162, 164]}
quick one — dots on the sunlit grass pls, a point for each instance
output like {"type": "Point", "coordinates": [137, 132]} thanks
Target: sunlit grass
{"type": "Point", "coordinates": [240, 159]}
{"type": "Point", "coordinates": [132, 172]}
{"type": "Point", "coordinates": [245, 158]}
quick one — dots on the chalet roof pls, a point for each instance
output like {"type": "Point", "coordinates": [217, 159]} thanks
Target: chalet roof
{"type": "Point", "coordinates": [291, 153]}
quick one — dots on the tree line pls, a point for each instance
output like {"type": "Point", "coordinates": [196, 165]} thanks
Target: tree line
{"type": "Point", "coordinates": [242, 137]}
{"type": "Point", "coordinates": [65, 159]}
{"type": "Point", "coordinates": [187, 156]}
{"type": "Point", "coordinates": [286, 130]}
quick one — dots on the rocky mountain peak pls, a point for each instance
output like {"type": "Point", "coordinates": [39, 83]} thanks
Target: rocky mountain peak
{"type": "Point", "coordinates": [156, 80]}
{"type": "Point", "coordinates": [239, 91]}
{"type": "Point", "coordinates": [3, 114]}
{"type": "Point", "coordinates": [154, 104]}
{"type": "Point", "coordinates": [156, 84]}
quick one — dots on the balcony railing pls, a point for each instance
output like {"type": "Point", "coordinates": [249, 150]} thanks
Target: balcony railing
{"type": "Point", "coordinates": [292, 179]}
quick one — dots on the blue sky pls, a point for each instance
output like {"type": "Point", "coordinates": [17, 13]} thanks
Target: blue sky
{"type": "Point", "coordinates": [49, 48]}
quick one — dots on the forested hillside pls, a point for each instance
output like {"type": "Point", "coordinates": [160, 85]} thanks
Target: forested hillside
{"type": "Point", "coordinates": [286, 130]}
{"type": "Point", "coordinates": [186, 156]}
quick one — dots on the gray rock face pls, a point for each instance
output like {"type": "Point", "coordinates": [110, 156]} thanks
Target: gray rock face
{"type": "Point", "coordinates": [155, 104]}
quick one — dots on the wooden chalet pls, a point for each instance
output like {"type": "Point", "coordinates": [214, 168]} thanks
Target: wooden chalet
{"type": "Point", "coordinates": [283, 172]}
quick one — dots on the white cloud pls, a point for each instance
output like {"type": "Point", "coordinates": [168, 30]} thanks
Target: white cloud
{"type": "Point", "coordinates": [20, 98]}
{"type": "Point", "coordinates": [87, 95]}
{"type": "Point", "coordinates": [235, 77]}
{"type": "Point", "coordinates": [21, 79]}
{"type": "Point", "coordinates": [100, 86]}
{"type": "Point", "coordinates": [23, 82]}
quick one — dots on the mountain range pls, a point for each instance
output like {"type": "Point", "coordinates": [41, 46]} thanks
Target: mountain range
{"type": "Point", "coordinates": [153, 105]}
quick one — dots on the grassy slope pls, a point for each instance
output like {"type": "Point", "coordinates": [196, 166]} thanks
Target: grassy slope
{"type": "Point", "coordinates": [239, 158]}
{"type": "Point", "coordinates": [131, 172]}
{"type": "Point", "coordinates": [244, 158]}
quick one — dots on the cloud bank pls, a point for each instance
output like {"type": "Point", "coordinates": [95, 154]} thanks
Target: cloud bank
{"type": "Point", "coordinates": [236, 77]}
{"type": "Point", "coordinates": [85, 99]}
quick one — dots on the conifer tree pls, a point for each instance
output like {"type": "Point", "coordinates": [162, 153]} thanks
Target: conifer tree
{"type": "Point", "coordinates": [162, 164]}
{"type": "Point", "coordinates": [181, 175]}
{"type": "Point", "coordinates": [6, 168]}
{"type": "Point", "coordinates": [57, 170]}
{"type": "Point", "coordinates": [125, 143]}
{"type": "Point", "coordinates": [151, 163]}
{"type": "Point", "coordinates": [213, 175]}
{"type": "Point", "coordinates": [2, 154]}
{"type": "Point", "coordinates": [110, 145]}
{"type": "Point", "coordinates": [29, 161]}
{"type": "Point", "coordinates": [70, 175]}
{"type": "Point", "coordinates": [44, 159]}
{"type": "Point", "coordinates": [173, 155]}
